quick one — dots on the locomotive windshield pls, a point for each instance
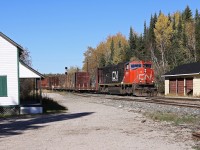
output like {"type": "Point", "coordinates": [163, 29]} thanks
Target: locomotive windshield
{"type": "Point", "coordinates": [134, 66]}
{"type": "Point", "coordinates": [147, 65]}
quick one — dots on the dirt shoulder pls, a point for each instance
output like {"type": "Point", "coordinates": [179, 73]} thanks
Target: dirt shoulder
{"type": "Point", "coordinates": [93, 126]}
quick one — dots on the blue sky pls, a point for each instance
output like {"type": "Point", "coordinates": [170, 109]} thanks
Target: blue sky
{"type": "Point", "coordinates": [57, 33]}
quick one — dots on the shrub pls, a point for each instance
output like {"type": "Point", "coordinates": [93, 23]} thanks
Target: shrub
{"type": "Point", "coordinates": [49, 105]}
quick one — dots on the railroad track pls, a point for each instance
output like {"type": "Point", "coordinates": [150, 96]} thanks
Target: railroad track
{"type": "Point", "coordinates": [181, 102]}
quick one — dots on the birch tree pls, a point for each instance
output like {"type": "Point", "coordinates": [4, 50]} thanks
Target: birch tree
{"type": "Point", "coordinates": [163, 33]}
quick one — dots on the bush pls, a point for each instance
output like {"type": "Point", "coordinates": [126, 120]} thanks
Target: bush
{"type": "Point", "coordinates": [49, 105]}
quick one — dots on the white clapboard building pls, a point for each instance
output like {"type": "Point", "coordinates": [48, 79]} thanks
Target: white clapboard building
{"type": "Point", "coordinates": [184, 80]}
{"type": "Point", "coordinates": [11, 70]}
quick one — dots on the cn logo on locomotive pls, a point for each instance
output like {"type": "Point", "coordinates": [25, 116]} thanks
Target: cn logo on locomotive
{"type": "Point", "coordinates": [115, 76]}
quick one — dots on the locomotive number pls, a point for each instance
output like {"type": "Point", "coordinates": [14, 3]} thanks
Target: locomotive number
{"type": "Point", "coordinates": [115, 76]}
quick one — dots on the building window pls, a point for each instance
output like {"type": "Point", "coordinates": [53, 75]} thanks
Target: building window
{"type": "Point", "coordinates": [3, 86]}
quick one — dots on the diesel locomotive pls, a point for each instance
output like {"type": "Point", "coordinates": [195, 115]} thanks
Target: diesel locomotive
{"type": "Point", "coordinates": [132, 78]}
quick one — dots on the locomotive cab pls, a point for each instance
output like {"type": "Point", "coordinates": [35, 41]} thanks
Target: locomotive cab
{"type": "Point", "coordinates": [138, 72]}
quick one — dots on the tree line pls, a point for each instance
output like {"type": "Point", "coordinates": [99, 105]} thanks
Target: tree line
{"type": "Point", "coordinates": [169, 41]}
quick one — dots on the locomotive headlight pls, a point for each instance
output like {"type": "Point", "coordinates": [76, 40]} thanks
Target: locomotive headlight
{"type": "Point", "coordinates": [145, 70]}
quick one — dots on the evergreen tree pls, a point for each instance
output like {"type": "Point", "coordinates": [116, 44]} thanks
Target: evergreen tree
{"type": "Point", "coordinates": [187, 14]}
{"type": "Point", "coordinates": [151, 34]}
{"type": "Point", "coordinates": [132, 42]}
{"type": "Point", "coordinates": [127, 52]}
{"type": "Point", "coordinates": [174, 23]}
{"type": "Point", "coordinates": [153, 21]}
{"type": "Point", "coordinates": [145, 34]}
{"type": "Point", "coordinates": [102, 61]}
{"type": "Point", "coordinates": [180, 28]}
{"type": "Point", "coordinates": [169, 17]}
{"type": "Point", "coordinates": [151, 30]}
{"type": "Point", "coordinates": [196, 15]}
{"type": "Point", "coordinates": [155, 18]}
{"type": "Point", "coordinates": [160, 12]}
{"type": "Point", "coordinates": [145, 31]}
{"type": "Point", "coordinates": [141, 51]}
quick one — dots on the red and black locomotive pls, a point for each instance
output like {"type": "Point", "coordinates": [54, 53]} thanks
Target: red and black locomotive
{"type": "Point", "coordinates": [133, 78]}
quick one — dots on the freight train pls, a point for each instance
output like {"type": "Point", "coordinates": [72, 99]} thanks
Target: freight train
{"type": "Point", "coordinates": [131, 78]}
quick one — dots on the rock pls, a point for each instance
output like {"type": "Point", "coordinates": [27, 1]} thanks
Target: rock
{"type": "Point", "coordinates": [120, 106]}
{"type": "Point", "coordinates": [143, 121]}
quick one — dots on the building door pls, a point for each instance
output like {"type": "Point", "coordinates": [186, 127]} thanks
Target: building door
{"type": "Point", "coordinates": [189, 86]}
{"type": "Point", "coordinates": [180, 86]}
{"type": "Point", "coordinates": [172, 86]}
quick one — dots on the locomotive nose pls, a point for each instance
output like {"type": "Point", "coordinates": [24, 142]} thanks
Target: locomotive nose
{"type": "Point", "coordinates": [145, 76]}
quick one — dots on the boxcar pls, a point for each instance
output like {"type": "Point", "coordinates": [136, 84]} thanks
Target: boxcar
{"type": "Point", "coordinates": [78, 81]}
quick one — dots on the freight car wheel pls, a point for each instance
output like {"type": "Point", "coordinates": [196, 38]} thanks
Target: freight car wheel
{"type": "Point", "coordinates": [137, 92]}
{"type": "Point", "coordinates": [101, 89]}
{"type": "Point", "coordinates": [154, 93]}
{"type": "Point", "coordinates": [106, 89]}
{"type": "Point", "coordinates": [122, 90]}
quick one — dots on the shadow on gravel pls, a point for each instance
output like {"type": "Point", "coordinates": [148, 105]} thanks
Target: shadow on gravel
{"type": "Point", "coordinates": [18, 126]}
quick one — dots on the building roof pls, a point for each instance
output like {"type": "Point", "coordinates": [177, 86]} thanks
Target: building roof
{"type": "Point", "coordinates": [28, 72]}
{"type": "Point", "coordinates": [183, 70]}
{"type": "Point", "coordinates": [11, 41]}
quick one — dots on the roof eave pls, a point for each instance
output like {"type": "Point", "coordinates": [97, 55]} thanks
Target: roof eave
{"type": "Point", "coordinates": [177, 75]}
{"type": "Point", "coordinates": [39, 74]}
{"type": "Point", "coordinates": [12, 42]}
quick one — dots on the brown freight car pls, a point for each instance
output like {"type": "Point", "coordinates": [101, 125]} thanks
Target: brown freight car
{"type": "Point", "coordinates": [53, 82]}
{"type": "Point", "coordinates": [77, 81]}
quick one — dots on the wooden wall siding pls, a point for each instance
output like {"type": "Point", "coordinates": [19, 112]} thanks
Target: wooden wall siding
{"type": "Point", "coordinates": [172, 86]}
{"type": "Point", "coordinates": [180, 86]}
{"type": "Point", "coordinates": [189, 86]}
{"type": "Point", "coordinates": [9, 68]}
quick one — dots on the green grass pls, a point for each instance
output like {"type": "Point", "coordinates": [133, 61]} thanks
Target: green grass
{"type": "Point", "coordinates": [196, 147]}
{"type": "Point", "coordinates": [174, 118]}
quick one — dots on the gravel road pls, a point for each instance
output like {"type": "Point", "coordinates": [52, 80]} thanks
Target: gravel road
{"type": "Point", "coordinates": [91, 126]}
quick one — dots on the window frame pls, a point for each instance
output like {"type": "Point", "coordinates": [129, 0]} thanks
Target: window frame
{"type": "Point", "coordinates": [147, 66]}
{"type": "Point", "coordinates": [135, 66]}
{"type": "Point", "coordinates": [4, 93]}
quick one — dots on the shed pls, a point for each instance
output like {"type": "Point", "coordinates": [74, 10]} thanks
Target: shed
{"type": "Point", "coordinates": [183, 80]}
{"type": "Point", "coordinates": [11, 70]}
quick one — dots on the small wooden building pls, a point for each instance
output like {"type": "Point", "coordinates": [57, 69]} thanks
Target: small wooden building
{"type": "Point", "coordinates": [11, 71]}
{"type": "Point", "coordinates": [183, 80]}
